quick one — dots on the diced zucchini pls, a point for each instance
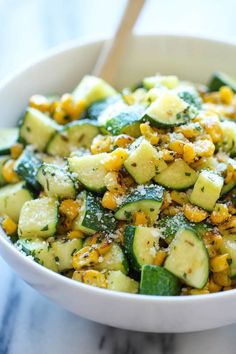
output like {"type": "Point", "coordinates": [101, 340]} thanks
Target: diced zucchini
{"type": "Point", "coordinates": [169, 226]}
{"type": "Point", "coordinates": [26, 166]}
{"type": "Point", "coordinates": [229, 246]}
{"type": "Point", "coordinates": [207, 190]}
{"type": "Point", "coordinates": [188, 258]}
{"type": "Point", "coordinates": [191, 96]}
{"type": "Point", "coordinates": [229, 137]}
{"type": "Point", "coordinates": [170, 81]}
{"type": "Point", "coordinates": [38, 218]}
{"type": "Point", "coordinates": [220, 79]}
{"type": "Point", "coordinates": [40, 250]}
{"type": "Point", "coordinates": [8, 137]}
{"type": "Point", "coordinates": [89, 170]}
{"type": "Point", "coordinates": [12, 198]}
{"type": "Point", "coordinates": [157, 280]}
{"type": "Point", "coordinates": [63, 251]}
{"type": "Point", "coordinates": [3, 159]}
{"type": "Point", "coordinates": [118, 281]}
{"type": "Point", "coordinates": [93, 217]}
{"type": "Point", "coordinates": [178, 175]}
{"type": "Point", "coordinates": [144, 198]}
{"type": "Point", "coordinates": [141, 244]}
{"type": "Point", "coordinates": [97, 108]}
{"type": "Point", "coordinates": [122, 120]}
{"type": "Point", "coordinates": [143, 161]}
{"type": "Point", "coordinates": [37, 128]}
{"type": "Point", "coordinates": [92, 89]}
{"type": "Point", "coordinates": [72, 136]}
{"type": "Point", "coordinates": [56, 181]}
{"type": "Point", "coordinates": [114, 259]}
{"type": "Point", "coordinates": [167, 110]}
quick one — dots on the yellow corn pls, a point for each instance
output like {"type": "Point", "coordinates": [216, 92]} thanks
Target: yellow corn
{"type": "Point", "coordinates": [168, 155]}
{"type": "Point", "coordinates": [79, 108]}
{"type": "Point", "coordinates": [229, 174]}
{"type": "Point", "coordinates": [115, 160]}
{"type": "Point", "coordinates": [60, 116]}
{"type": "Point", "coordinates": [8, 172]}
{"type": "Point", "coordinates": [228, 227]}
{"type": "Point", "coordinates": [140, 218]}
{"type": "Point", "coordinates": [69, 208]}
{"type": "Point", "coordinates": [189, 153]}
{"type": "Point", "coordinates": [150, 134]}
{"type": "Point", "coordinates": [179, 197]}
{"type": "Point", "coordinates": [16, 150]}
{"type": "Point", "coordinates": [219, 263]}
{"type": "Point", "coordinates": [194, 214]}
{"type": "Point", "coordinates": [213, 287]}
{"type": "Point", "coordinates": [39, 102]}
{"type": "Point", "coordinates": [219, 214]}
{"type": "Point", "coordinates": [198, 292]}
{"type": "Point", "coordinates": [222, 278]}
{"type": "Point", "coordinates": [101, 244]}
{"type": "Point", "coordinates": [109, 201]}
{"type": "Point", "coordinates": [113, 181]}
{"type": "Point", "coordinates": [9, 225]}
{"type": "Point", "coordinates": [66, 103]}
{"type": "Point", "coordinates": [123, 140]}
{"type": "Point", "coordinates": [75, 234]}
{"type": "Point", "coordinates": [226, 94]}
{"type": "Point", "coordinates": [177, 146]}
{"type": "Point", "coordinates": [191, 130]}
{"type": "Point", "coordinates": [204, 148]}
{"type": "Point", "coordinates": [160, 257]}
{"type": "Point", "coordinates": [226, 288]}
{"type": "Point", "coordinates": [91, 277]}
{"type": "Point", "coordinates": [103, 144]}
{"type": "Point", "coordinates": [172, 210]}
{"type": "Point", "coordinates": [86, 256]}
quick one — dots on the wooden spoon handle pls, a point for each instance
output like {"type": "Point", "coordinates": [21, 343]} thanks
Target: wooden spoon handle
{"type": "Point", "coordinates": [109, 58]}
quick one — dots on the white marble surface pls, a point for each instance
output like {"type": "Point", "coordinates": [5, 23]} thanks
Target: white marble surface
{"type": "Point", "coordinates": [30, 323]}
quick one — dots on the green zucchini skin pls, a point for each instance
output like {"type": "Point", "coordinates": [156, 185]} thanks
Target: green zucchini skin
{"type": "Point", "coordinates": [157, 280]}
{"type": "Point", "coordinates": [148, 200]}
{"type": "Point", "coordinates": [220, 79]}
{"type": "Point", "coordinates": [94, 217]}
{"type": "Point", "coordinates": [27, 167]}
{"type": "Point", "coordinates": [96, 108]}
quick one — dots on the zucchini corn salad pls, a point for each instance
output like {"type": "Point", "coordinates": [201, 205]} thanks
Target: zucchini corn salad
{"type": "Point", "coordinates": [130, 191]}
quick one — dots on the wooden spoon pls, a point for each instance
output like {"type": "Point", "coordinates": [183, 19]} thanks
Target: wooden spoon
{"type": "Point", "coordinates": [112, 50]}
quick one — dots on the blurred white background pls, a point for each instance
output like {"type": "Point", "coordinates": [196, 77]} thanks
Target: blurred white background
{"type": "Point", "coordinates": [30, 27]}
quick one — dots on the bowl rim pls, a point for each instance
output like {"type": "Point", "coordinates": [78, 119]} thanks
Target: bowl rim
{"type": "Point", "coordinates": [5, 240]}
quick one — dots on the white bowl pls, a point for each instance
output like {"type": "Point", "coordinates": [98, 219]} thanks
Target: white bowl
{"type": "Point", "coordinates": [190, 58]}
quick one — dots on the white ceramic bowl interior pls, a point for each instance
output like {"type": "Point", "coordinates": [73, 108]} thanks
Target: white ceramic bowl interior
{"type": "Point", "coordinates": [189, 58]}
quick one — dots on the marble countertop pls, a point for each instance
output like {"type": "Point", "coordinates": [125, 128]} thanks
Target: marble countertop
{"type": "Point", "coordinates": [30, 323]}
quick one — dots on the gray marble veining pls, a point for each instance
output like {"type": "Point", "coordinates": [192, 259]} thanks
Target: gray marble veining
{"type": "Point", "coordinates": [30, 323]}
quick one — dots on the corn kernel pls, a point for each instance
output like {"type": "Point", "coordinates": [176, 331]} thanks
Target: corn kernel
{"type": "Point", "coordinates": [69, 208]}
{"type": "Point", "coordinates": [8, 172]}
{"type": "Point", "coordinates": [66, 103]}
{"type": "Point", "coordinates": [140, 218]}
{"type": "Point", "coordinates": [228, 227]}
{"type": "Point", "coordinates": [79, 108]}
{"type": "Point", "coordinates": [219, 214]}
{"type": "Point", "coordinates": [103, 144]}
{"type": "Point", "coordinates": [16, 150]}
{"type": "Point", "coordinates": [222, 278]}
{"type": "Point", "coordinates": [219, 263]}
{"type": "Point", "coordinates": [160, 257]}
{"type": "Point", "coordinates": [75, 234]}
{"type": "Point", "coordinates": [39, 102]}
{"type": "Point", "coordinates": [191, 130]}
{"type": "Point", "coordinates": [177, 146]}
{"type": "Point", "coordinates": [9, 225]}
{"type": "Point", "coordinates": [86, 256]}
{"type": "Point", "coordinates": [226, 94]}
{"type": "Point", "coordinates": [150, 134]}
{"type": "Point", "coordinates": [109, 201]}
{"type": "Point", "coordinates": [78, 275]}
{"type": "Point", "coordinates": [229, 174]}
{"type": "Point", "coordinates": [198, 292]}
{"type": "Point", "coordinates": [168, 155]}
{"type": "Point", "coordinates": [204, 148]}
{"type": "Point", "coordinates": [226, 288]}
{"type": "Point", "coordinates": [189, 153]}
{"type": "Point", "coordinates": [172, 210]}
{"type": "Point", "coordinates": [194, 214]}
{"type": "Point", "coordinates": [213, 287]}
{"type": "Point", "coordinates": [60, 116]}
{"type": "Point", "coordinates": [113, 181]}
{"type": "Point", "coordinates": [101, 244]}
{"type": "Point", "coordinates": [115, 160]}
{"type": "Point", "coordinates": [123, 140]}
{"type": "Point", "coordinates": [179, 197]}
